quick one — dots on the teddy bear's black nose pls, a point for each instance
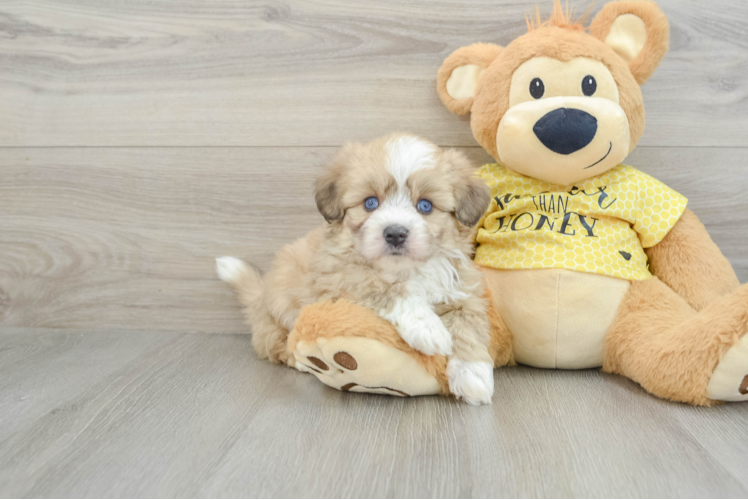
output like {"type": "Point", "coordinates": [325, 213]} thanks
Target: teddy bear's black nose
{"type": "Point", "coordinates": [566, 130]}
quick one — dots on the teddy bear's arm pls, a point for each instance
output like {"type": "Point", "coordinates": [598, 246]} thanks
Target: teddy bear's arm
{"type": "Point", "coordinates": [690, 263]}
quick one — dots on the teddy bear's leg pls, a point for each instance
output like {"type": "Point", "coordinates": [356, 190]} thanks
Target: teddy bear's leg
{"type": "Point", "coordinates": [676, 353]}
{"type": "Point", "coordinates": [350, 348]}
{"type": "Point", "coordinates": [691, 264]}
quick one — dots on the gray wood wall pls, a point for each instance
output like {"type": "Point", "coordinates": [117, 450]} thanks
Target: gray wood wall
{"type": "Point", "coordinates": [141, 139]}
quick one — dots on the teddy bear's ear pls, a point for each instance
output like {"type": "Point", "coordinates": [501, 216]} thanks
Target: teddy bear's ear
{"type": "Point", "coordinates": [638, 31]}
{"type": "Point", "coordinates": [459, 75]}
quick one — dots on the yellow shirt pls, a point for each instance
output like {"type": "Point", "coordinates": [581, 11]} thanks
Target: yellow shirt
{"type": "Point", "coordinates": [601, 225]}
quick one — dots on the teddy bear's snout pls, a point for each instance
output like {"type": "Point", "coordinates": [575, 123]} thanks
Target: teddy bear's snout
{"type": "Point", "coordinates": [566, 130]}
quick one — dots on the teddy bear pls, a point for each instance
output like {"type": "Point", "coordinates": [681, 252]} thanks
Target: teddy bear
{"type": "Point", "coordinates": [588, 262]}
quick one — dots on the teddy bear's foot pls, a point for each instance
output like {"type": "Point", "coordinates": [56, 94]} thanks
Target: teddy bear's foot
{"type": "Point", "coordinates": [729, 381]}
{"type": "Point", "coordinates": [360, 364]}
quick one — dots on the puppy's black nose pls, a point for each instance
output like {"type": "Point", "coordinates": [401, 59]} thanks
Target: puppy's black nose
{"type": "Point", "coordinates": [395, 235]}
{"type": "Point", "coordinates": [566, 130]}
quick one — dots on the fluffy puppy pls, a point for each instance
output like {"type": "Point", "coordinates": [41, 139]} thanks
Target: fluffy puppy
{"type": "Point", "coordinates": [399, 240]}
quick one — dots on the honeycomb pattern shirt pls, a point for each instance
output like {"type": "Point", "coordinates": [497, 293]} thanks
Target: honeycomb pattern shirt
{"type": "Point", "coordinates": [601, 225]}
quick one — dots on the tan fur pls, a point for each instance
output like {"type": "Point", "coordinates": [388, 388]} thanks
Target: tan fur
{"type": "Point", "coordinates": [326, 265]}
{"type": "Point", "coordinates": [688, 261]}
{"type": "Point", "coordinates": [356, 171]}
{"type": "Point", "coordinates": [492, 93]}
{"type": "Point", "coordinates": [669, 333]}
{"type": "Point", "coordinates": [560, 18]}
{"type": "Point", "coordinates": [659, 341]}
{"type": "Point", "coordinates": [482, 54]}
{"type": "Point", "coordinates": [658, 338]}
{"type": "Point", "coordinates": [341, 318]}
{"type": "Point", "coordinates": [268, 308]}
{"type": "Point", "coordinates": [560, 39]}
{"type": "Point", "coordinates": [501, 338]}
{"type": "Point", "coordinates": [658, 33]}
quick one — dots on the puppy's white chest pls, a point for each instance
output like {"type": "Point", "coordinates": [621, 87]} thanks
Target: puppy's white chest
{"type": "Point", "coordinates": [437, 281]}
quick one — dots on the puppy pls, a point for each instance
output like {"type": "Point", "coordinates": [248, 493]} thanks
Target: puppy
{"type": "Point", "coordinates": [399, 240]}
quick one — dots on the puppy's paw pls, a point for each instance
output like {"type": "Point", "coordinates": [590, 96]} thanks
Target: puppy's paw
{"type": "Point", "coordinates": [471, 381]}
{"type": "Point", "coordinates": [229, 269]}
{"type": "Point", "coordinates": [427, 335]}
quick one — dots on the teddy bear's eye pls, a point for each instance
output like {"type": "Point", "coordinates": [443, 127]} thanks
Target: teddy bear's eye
{"type": "Point", "coordinates": [589, 85]}
{"type": "Point", "coordinates": [537, 88]}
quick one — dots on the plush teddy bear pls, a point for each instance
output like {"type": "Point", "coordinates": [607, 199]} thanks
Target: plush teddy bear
{"type": "Point", "coordinates": [588, 262]}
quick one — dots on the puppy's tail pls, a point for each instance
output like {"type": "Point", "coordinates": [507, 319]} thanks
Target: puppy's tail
{"type": "Point", "coordinates": [242, 277]}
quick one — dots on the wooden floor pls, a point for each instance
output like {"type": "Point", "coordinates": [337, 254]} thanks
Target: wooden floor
{"type": "Point", "coordinates": [134, 414]}
{"type": "Point", "coordinates": [141, 139]}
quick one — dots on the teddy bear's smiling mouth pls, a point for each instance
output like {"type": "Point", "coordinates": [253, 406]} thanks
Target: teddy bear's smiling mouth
{"type": "Point", "coordinates": [601, 159]}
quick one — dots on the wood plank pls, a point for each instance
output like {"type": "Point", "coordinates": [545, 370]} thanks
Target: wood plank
{"type": "Point", "coordinates": [152, 414]}
{"type": "Point", "coordinates": [295, 72]}
{"type": "Point", "coordinates": [74, 363]}
{"type": "Point", "coordinates": [723, 435]}
{"type": "Point", "coordinates": [126, 238]}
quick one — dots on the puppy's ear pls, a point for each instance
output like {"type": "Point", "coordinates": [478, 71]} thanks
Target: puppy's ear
{"type": "Point", "coordinates": [459, 74]}
{"type": "Point", "coordinates": [328, 195]}
{"type": "Point", "coordinates": [638, 31]}
{"type": "Point", "coordinates": [472, 195]}
{"type": "Point", "coordinates": [472, 198]}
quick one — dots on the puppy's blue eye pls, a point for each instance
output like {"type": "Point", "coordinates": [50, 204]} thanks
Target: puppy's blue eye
{"type": "Point", "coordinates": [424, 206]}
{"type": "Point", "coordinates": [371, 203]}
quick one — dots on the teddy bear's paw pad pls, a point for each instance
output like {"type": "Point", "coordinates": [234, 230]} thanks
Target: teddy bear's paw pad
{"type": "Point", "coordinates": [729, 381]}
{"type": "Point", "coordinates": [352, 387]}
{"type": "Point", "coordinates": [359, 364]}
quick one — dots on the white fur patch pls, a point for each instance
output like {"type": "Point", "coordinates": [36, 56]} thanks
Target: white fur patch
{"type": "Point", "coordinates": [419, 326]}
{"type": "Point", "coordinates": [471, 381]}
{"type": "Point", "coordinates": [438, 281]}
{"type": "Point", "coordinates": [230, 268]}
{"type": "Point", "coordinates": [434, 282]}
{"type": "Point", "coordinates": [396, 210]}
{"type": "Point", "coordinates": [408, 154]}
